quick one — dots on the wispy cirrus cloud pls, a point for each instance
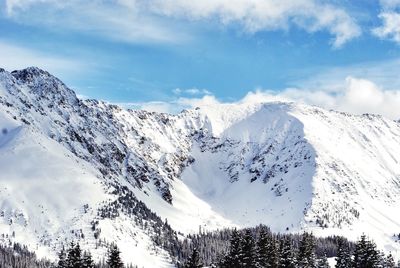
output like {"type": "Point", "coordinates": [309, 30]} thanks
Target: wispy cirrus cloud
{"type": "Point", "coordinates": [191, 91]}
{"type": "Point", "coordinates": [113, 20]}
{"type": "Point", "coordinates": [156, 20]}
{"type": "Point", "coordinates": [255, 16]}
{"type": "Point", "coordinates": [389, 4]}
{"type": "Point", "coordinates": [15, 57]}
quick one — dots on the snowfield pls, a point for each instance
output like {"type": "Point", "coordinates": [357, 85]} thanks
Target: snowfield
{"type": "Point", "coordinates": [68, 166]}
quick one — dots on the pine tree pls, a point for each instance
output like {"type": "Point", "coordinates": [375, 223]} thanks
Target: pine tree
{"type": "Point", "coordinates": [359, 252]}
{"type": "Point", "coordinates": [343, 259]}
{"type": "Point", "coordinates": [267, 251]}
{"type": "Point", "coordinates": [70, 255]}
{"type": "Point", "coordinates": [365, 254]}
{"type": "Point", "coordinates": [306, 255]}
{"type": "Point", "coordinates": [273, 256]}
{"type": "Point", "coordinates": [248, 250]}
{"type": "Point", "coordinates": [114, 259]}
{"type": "Point", "coordinates": [381, 259]}
{"type": "Point", "coordinates": [323, 262]}
{"type": "Point", "coordinates": [286, 255]}
{"type": "Point", "coordinates": [74, 256]}
{"type": "Point", "coordinates": [87, 261]}
{"type": "Point", "coordinates": [194, 260]}
{"type": "Point", "coordinates": [262, 249]}
{"type": "Point", "coordinates": [373, 256]}
{"type": "Point", "coordinates": [389, 261]}
{"type": "Point", "coordinates": [234, 256]}
{"type": "Point", "coordinates": [62, 262]}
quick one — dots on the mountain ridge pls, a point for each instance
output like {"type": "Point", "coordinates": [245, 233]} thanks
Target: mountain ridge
{"type": "Point", "coordinates": [291, 166]}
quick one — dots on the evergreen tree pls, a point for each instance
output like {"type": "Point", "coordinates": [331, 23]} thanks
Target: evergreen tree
{"type": "Point", "coordinates": [343, 259]}
{"type": "Point", "coordinates": [18, 256]}
{"type": "Point", "coordinates": [374, 256]}
{"type": "Point", "coordinates": [70, 255]}
{"type": "Point", "coordinates": [306, 255]}
{"type": "Point", "coordinates": [323, 262]}
{"type": "Point", "coordinates": [381, 259]}
{"type": "Point", "coordinates": [234, 256]}
{"type": "Point", "coordinates": [248, 250]}
{"type": "Point", "coordinates": [62, 262]}
{"type": "Point", "coordinates": [365, 254]}
{"type": "Point", "coordinates": [359, 252]}
{"type": "Point", "coordinates": [74, 256]}
{"type": "Point", "coordinates": [273, 255]}
{"type": "Point", "coordinates": [267, 250]}
{"type": "Point", "coordinates": [262, 249]}
{"type": "Point", "coordinates": [87, 261]}
{"type": "Point", "coordinates": [114, 259]}
{"type": "Point", "coordinates": [286, 256]}
{"type": "Point", "coordinates": [389, 261]}
{"type": "Point", "coordinates": [194, 260]}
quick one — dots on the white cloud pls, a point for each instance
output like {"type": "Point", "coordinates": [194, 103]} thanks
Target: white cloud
{"type": "Point", "coordinates": [389, 4]}
{"type": "Point", "coordinates": [114, 20]}
{"type": "Point", "coordinates": [138, 20]}
{"type": "Point", "coordinates": [177, 91]}
{"type": "Point", "coordinates": [261, 15]}
{"type": "Point", "coordinates": [384, 73]}
{"type": "Point", "coordinates": [358, 96]}
{"type": "Point", "coordinates": [173, 107]}
{"type": "Point", "coordinates": [15, 57]}
{"type": "Point", "coordinates": [191, 91]}
{"type": "Point", "coordinates": [197, 102]}
{"type": "Point", "coordinates": [390, 17]}
{"type": "Point", "coordinates": [390, 28]}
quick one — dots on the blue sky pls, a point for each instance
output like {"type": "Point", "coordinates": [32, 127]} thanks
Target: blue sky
{"type": "Point", "coordinates": [138, 52]}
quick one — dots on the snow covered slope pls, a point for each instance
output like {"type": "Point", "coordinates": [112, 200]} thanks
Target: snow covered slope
{"type": "Point", "coordinates": [297, 167]}
{"type": "Point", "coordinates": [50, 197]}
{"type": "Point", "coordinates": [93, 170]}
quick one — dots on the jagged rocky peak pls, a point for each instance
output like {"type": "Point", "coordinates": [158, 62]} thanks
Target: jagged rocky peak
{"type": "Point", "coordinates": [29, 74]}
{"type": "Point", "coordinates": [45, 85]}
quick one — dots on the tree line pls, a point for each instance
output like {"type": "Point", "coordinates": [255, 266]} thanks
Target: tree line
{"type": "Point", "coordinates": [264, 250]}
{"type": "Point", "coordinates": [212, 245]}
{"type": "Point", "coordinates": [254, 247]}
{"type": "Point", "coordinates": [74, 257]}
{"type": "Point", "coordinates": [18, 256]}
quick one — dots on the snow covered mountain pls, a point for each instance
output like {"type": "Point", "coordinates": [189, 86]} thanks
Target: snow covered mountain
{"type": "Point", "coordinates": [73, 169]}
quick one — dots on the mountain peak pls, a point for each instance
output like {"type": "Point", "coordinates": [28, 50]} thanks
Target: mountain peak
{"type": "Point", "coordinates": [45, 85]}
{"type": "Point", "coordinates": [28, 74]}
